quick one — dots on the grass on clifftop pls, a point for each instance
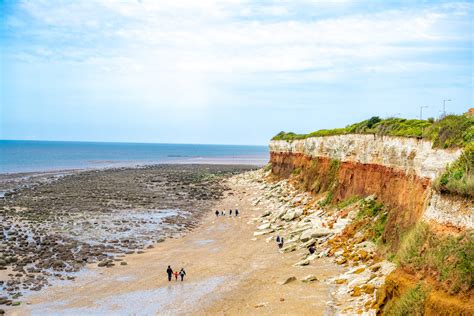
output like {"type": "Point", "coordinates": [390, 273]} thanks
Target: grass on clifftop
{"type": "Point", "coordinates": [450, 131]}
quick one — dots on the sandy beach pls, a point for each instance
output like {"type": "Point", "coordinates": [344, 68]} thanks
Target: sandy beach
{"type": "Point", "coordinates": [229, 272]}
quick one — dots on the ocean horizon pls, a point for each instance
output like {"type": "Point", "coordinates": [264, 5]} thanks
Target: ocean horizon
{"type": "Point", "coordinates": [17, 156]}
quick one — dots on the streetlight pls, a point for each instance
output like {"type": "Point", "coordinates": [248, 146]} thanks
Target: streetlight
{"type": "Point", "coordinates": [421, 111]}
{"type": "Point", "coordinates": [444, 106]}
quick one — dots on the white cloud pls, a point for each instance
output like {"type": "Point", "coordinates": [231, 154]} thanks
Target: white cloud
{"type": "Point", "coordinates": [237, 37]}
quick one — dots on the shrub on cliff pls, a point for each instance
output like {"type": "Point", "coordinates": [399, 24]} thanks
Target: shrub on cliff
{"type": "Point", "coordinates": [448, 258]}
{"type": "Point", "coordinates": [459, 176]}
{"type": "Point", "coordinates": [451, 131]}
{"type": "Point", "coordinates": [410, 303]}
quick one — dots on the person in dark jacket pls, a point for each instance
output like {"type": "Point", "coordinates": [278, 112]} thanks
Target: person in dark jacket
{"type": "Point", "coordinates": [170, 273]}
{"type": "Point", "coordinates": [278, 239]}
{"type": "Point", "coordinates": [217, 213]}
{"type": "Point", "coordinates": [236, 212]}
{"type": "Point", "coordinates": [230, 212]}
{"type": "Point", "coordinates": [182, 273]}
{"type": "Point", "coordinates": [311, 250]}
{"type": "Point", "coordinates": [280, 245]}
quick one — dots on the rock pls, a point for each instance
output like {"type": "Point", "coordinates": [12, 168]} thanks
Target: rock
{"type": "Point", "coordinates": [356, 291]}
{"type": "Point", "coordinates": [303, 262]}
{"type": "Point", "coordinates": [123, 263]}
{"type": "Point", "coordinates": [264, 226]}
{"type": "Point", "coordinates": [16, 303]}
{"type": "Point", "coordinates": [289, 248]}
{"type": "Point", "coordinates": [102, 264]}
{"type": "Point", "coordinates": [359, 270]}
{"type": "Point", "coordinates": [261, 305]}
{"type": "Point", "coordinates": [309, 278]}
{"type": "Point", "coordinates": [288, 280]}
{"type": "Point", "coordinates": [264, 232]}
{"type": "Point", "coordinates": [341, 281]}
{"type": "Point", "coordinates": [2, 312]}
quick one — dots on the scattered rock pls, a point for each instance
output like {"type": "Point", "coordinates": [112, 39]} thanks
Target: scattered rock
{"type": "Point", "coordinates": [309, 278]}
{"type": "Point", "coordinates": [288, 280]}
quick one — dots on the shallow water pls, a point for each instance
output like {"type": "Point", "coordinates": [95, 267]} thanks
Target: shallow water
{"type": "Point", "coordinates": [175, 298]}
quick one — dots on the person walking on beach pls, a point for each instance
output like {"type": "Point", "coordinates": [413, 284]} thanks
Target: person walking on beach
{"type": "Point", "coordinates": [182, 273]}
{"type": "Point", "coordinates": [236, 212]}
{"type": "Point", "coordinates": [280, 245]}
{"type": "Point", "coordinates": [176, 275]}
{"type": "Point", "coordinates": [170, 273]}
{"type": "Point", "coordinates": [230, 213]}
{"type": "Point", "coordinates": [217, 213]}
{"type": "Point", "coordinates": [278, 239]}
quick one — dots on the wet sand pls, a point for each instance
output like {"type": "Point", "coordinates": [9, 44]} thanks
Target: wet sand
{"type": "Point", "coordinates": [228, 272]}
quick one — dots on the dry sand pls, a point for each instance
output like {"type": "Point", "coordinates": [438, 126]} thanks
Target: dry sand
{"type": "Point", "coordinates": [229, 272]}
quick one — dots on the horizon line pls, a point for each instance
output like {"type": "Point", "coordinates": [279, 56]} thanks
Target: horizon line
{"type": "Point", "coordinates": [128, 142]}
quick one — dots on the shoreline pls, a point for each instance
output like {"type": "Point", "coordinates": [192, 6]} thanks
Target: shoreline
{"type": "Point", "coordinates": [229, 271]}
{"type": "Point", "coordinates": [52, 229]}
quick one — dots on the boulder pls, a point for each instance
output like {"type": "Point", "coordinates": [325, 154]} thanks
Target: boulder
{"type": "Point", "coordinates": [288, 280]}
{"type": "Point", "coordinates": [309, 278]}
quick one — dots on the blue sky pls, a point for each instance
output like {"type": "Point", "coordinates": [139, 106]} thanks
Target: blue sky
{"type": "Point", "coordinates": [226, 72]}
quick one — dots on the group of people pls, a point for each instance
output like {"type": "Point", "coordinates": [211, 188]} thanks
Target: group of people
{"type": "Point", "coordinates": [222, 213]}
{"type": "Point", "coordinates": [172, 273]}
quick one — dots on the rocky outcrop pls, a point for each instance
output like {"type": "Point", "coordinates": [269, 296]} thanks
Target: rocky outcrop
{"type": "Point", "coordinates": [398, 170]}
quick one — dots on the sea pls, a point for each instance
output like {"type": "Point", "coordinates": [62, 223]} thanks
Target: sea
{"type": "Point", "coordinates": [18, 156]}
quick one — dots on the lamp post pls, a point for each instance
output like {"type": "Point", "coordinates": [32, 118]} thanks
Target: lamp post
{"type": "Point", "coordinates": [421, 111]}
{"type": "Point", "coordinates": [444, 106]}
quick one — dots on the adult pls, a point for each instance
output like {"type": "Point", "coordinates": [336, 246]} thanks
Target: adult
{"type": "Point", "coordinates": [280, 245]}
{"type": "Point", "coordinates": [311, 250]}
{"type": "Point", "coordinates": [217, 213]}
{"type": "Point", "coordinates": [230, 213]}
{"type": "Point", "coordinates": [278, 239]}
{"type": "Point", "coordinates": [170, 273]}
{"type": "Point", "coordinates": [182, 273]}
{"type": "Point", "coordinates": [236, 212]}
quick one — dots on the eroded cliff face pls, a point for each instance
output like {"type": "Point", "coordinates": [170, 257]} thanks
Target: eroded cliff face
{"type": "Point", "coordinates": [410, 155]}
{"type": "Point", "coordinates": [398, 170]}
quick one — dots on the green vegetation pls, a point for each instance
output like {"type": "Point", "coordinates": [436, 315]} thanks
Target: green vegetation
{"type": "Point", "coordinates": [459, 176]}
{"type": "Point", "coordinates": [268, 167]}
{"type": "Point", "coordinates": [450, 131]}
{"type": "Point", "coordinates": [412, 302]}
{"type": "Point", "coordinates": [449, 258]}
{"type": "Point", "coordinates": [296, 171]}
{"type": "Point", "coordinates": [349, 201]}
{"type": "Point", "coordinates": [375, 214]}
{"type": "Point", "coordinates": [331, 182]}
{"type": "Point", "coordinates": [374, 125]}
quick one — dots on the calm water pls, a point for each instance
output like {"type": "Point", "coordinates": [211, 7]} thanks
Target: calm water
{"type": "Point", "coordinates": [27, 156]}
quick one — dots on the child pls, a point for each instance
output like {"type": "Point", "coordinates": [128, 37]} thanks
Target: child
{"type": "Point", "coordinates": [176, 275]}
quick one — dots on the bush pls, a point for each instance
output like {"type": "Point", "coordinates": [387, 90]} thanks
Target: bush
{"type": "Point", "coordinates": [447, 257]}
{"type": "Point", "coordinates": [412, 302]}
{"type": "Point", "coordinates": [451, 131]}
{"type": "Point", "coordinates": [459, 176]}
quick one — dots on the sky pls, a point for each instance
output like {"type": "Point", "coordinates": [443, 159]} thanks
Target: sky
{"type": "Point", "coordinates": [229, 71]}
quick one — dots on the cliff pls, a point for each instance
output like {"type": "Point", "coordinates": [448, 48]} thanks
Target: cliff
{"type": "Point", "coordinates": [428, 234]}
{"type": "Point", "coordinates": [398, 170]}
